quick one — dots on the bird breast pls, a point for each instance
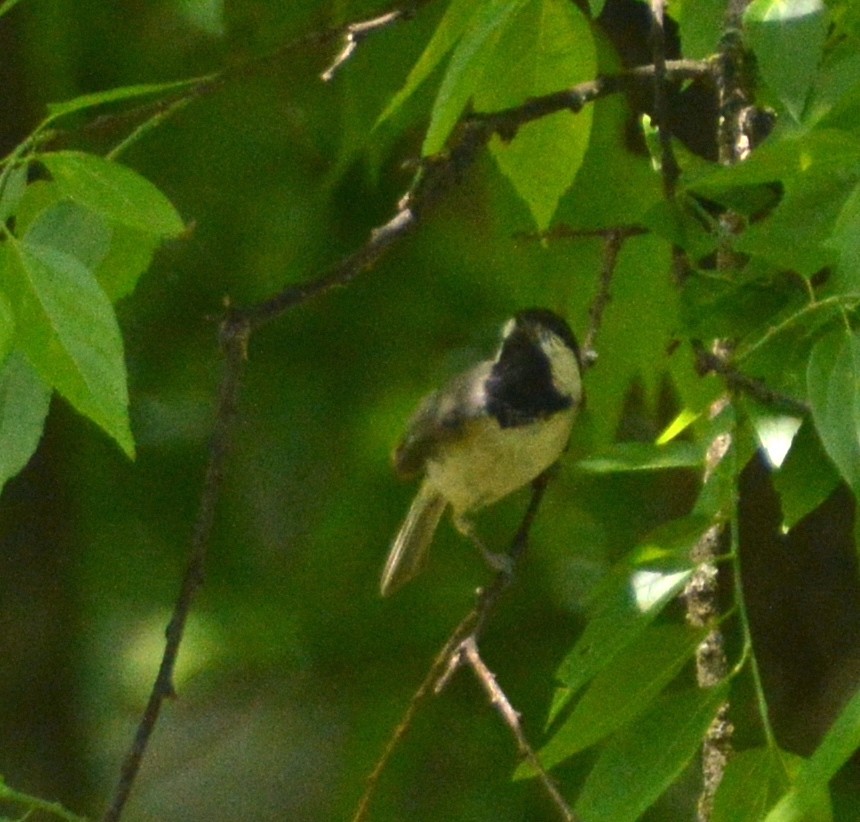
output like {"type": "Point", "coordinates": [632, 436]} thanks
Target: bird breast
{"type": "Point", "coordinates": [490, 462]}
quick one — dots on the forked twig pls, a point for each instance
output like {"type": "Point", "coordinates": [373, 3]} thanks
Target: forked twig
{"type": "Point", "coordinates": [441, 669]}
{"type": "Point", "coordinates": [356, 32]}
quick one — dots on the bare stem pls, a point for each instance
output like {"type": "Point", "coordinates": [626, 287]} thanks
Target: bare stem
{"type": "Point", "coordinates": [234, 336]}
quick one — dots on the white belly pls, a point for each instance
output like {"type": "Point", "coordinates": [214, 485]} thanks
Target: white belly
{"type": "Point", "coordinates": [492, 462]}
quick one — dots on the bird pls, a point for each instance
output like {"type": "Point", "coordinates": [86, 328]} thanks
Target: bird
{"type": "Point", "coordinates": [488, 432]}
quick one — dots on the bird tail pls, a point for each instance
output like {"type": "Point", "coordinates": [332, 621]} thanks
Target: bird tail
{"type": "Point", "coordinates": [409, 550]}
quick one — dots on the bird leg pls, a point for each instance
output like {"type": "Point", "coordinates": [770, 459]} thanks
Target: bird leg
{"type": "Point", "coordinates": [498, 562]}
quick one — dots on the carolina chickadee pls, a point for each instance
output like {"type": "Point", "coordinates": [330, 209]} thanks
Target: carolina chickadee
{"type": "Point", "coordinates": [488, 432]}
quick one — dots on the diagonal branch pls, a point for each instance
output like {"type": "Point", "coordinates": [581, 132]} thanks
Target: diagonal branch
{"type": "Point", "coordinates": [468, 654]}
{"type": "Point", "coordinates": [444, 663]}
{"type": "Point", "coordinates": [356, 32]}
{"type": "Point", "coordinates": [234, 334]}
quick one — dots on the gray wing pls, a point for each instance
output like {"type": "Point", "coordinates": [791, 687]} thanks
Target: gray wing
{"type": "Point", "coordinates": [441, 417]}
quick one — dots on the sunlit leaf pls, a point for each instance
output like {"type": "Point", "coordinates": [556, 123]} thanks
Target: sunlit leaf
{"type": "Point", "coordinates": [114, 191]}
{"type": "Point", "coordinates": [466, 67]}
{"type": "Point", "coordinates": [643, 456]}
{"type": "Point", "coordinates": [72, 229]}
{"type": "Point", "coordinates": [450, 29]}
{"type": "Point", "coordinates": [616, 619]}
{"type": "Point", "coordinates": [775, 431]}
{"type": "Point", "coordinates": [787, 37]}
{"type": "Point", "coordinates": [116, 253]}
{"type": "Point", "coordinates": [68, 330]}
{"type": "Point", "coordinates": [546, 47]}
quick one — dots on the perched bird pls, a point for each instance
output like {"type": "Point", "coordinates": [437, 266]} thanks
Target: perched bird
{"type": "Point", "coordinates": [488, 432]}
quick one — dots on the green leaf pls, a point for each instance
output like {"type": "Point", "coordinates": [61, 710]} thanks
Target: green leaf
{"type": "Point", "coordinates": [787, 37]}
{"type": "Point", "coordinates": [700, 24]}
{"type": "Point", "coordinates": [845, 243]}
{"type": "Point", "coordinates": [38, 196]}
{"type": "Point", "coordinates": [805, 479]}
{"type": "Point", "coordinates": [13, 182]}
{"type": "Point", "coordinates": [833, 381]}
{"type": "Point", "coordinates": [752, 783]}
{"type": "Point", "coordinates": [618, 614]}
{"type": "Point", "coordinates": [622, 690]}
{"type": "Point", "coordinates": [8, 6]}
{"type": "Point", "coordinates": [24, 401]}
{"type": "Point", "coordinates": [72, 229]}
{"type": "Point", "coordinates": [115, 253]}
{"type": "Point", "coordinates": [116, 95]}
{"type": "Point", "coordinates": [7, 319]}
{"type": "Point", "coordinates": [774, 431]}
{"type": "Point", "coordinates": [838, 746]}
{"type": "Point", "coordinates": [465, 69]}
{"type": "Point", "coordinates": [128, 257]}
{"type": "Point", "coordinates": [114, 191]}
{"type": "Point", "coordinates": [624, 457]}
{"type": "Point", "coordinates": [547, 46]}
{"type": "Point", "coordinates": [640, 762]}
{"type": "Point", "coordinates": [783, 156]}
{"type": "Point", "coordinates": [450, 29]}
{"type": "Point", "coordinates": [68, 330]}
{"type": "Point", "coordinates": [798, 233]}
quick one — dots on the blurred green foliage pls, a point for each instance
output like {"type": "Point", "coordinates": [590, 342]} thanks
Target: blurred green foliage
{"type": "Point", "coordinates": [293, 672]}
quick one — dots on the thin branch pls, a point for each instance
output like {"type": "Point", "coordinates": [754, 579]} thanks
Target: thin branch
{"type": "Point", "coordinates": [356, 32]}
{"type": "Point", "coordinates": [715, 362]}
{"type": "Point", "coordinates": [562, 231]}
{"type": "Point", "coordinates": [437, 174]}
{"type": "Point", "coordinates": [234, 335]}
{"type": "Point", "coordinates": [468, 653]}
{"type": "Point", "coordinates": [442, 667]}
{"type": "Point", "coordinates": [613, 240]}
{"type": "Point", "coordinates": [506, 122]}
{"type": "Point", "coordinates": [668, 163]}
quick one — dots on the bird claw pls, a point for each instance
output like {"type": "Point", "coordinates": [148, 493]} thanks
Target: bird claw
{"type": "Point", "coordinates": [498, 562]}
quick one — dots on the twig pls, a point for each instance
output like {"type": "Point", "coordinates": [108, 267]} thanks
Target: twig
{"type": "Point", "coordinates": [468, 653]}
{"type": "Point", "coordinates": [356, 32]}
{"type": "Point", "coordinates": [437, 174]}
{"type": "Point", "coordinates": [562, 231]}
{"type": "Point", "coordinates": [506, 122]}
{"type": "Point", "coordinates": [234, 334]}
{"type": "Point", "coordinates": [442, 668]}
{"type": "Point", "coordinates": [714, 362]}
{"type": "Point", "coordinates": [613, 240]}
{"type": "Point", "coordinates": [668, 163]}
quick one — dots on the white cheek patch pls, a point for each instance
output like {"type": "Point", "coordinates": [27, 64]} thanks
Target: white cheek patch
{"type": "Point", "coordinates": [565, 368]}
